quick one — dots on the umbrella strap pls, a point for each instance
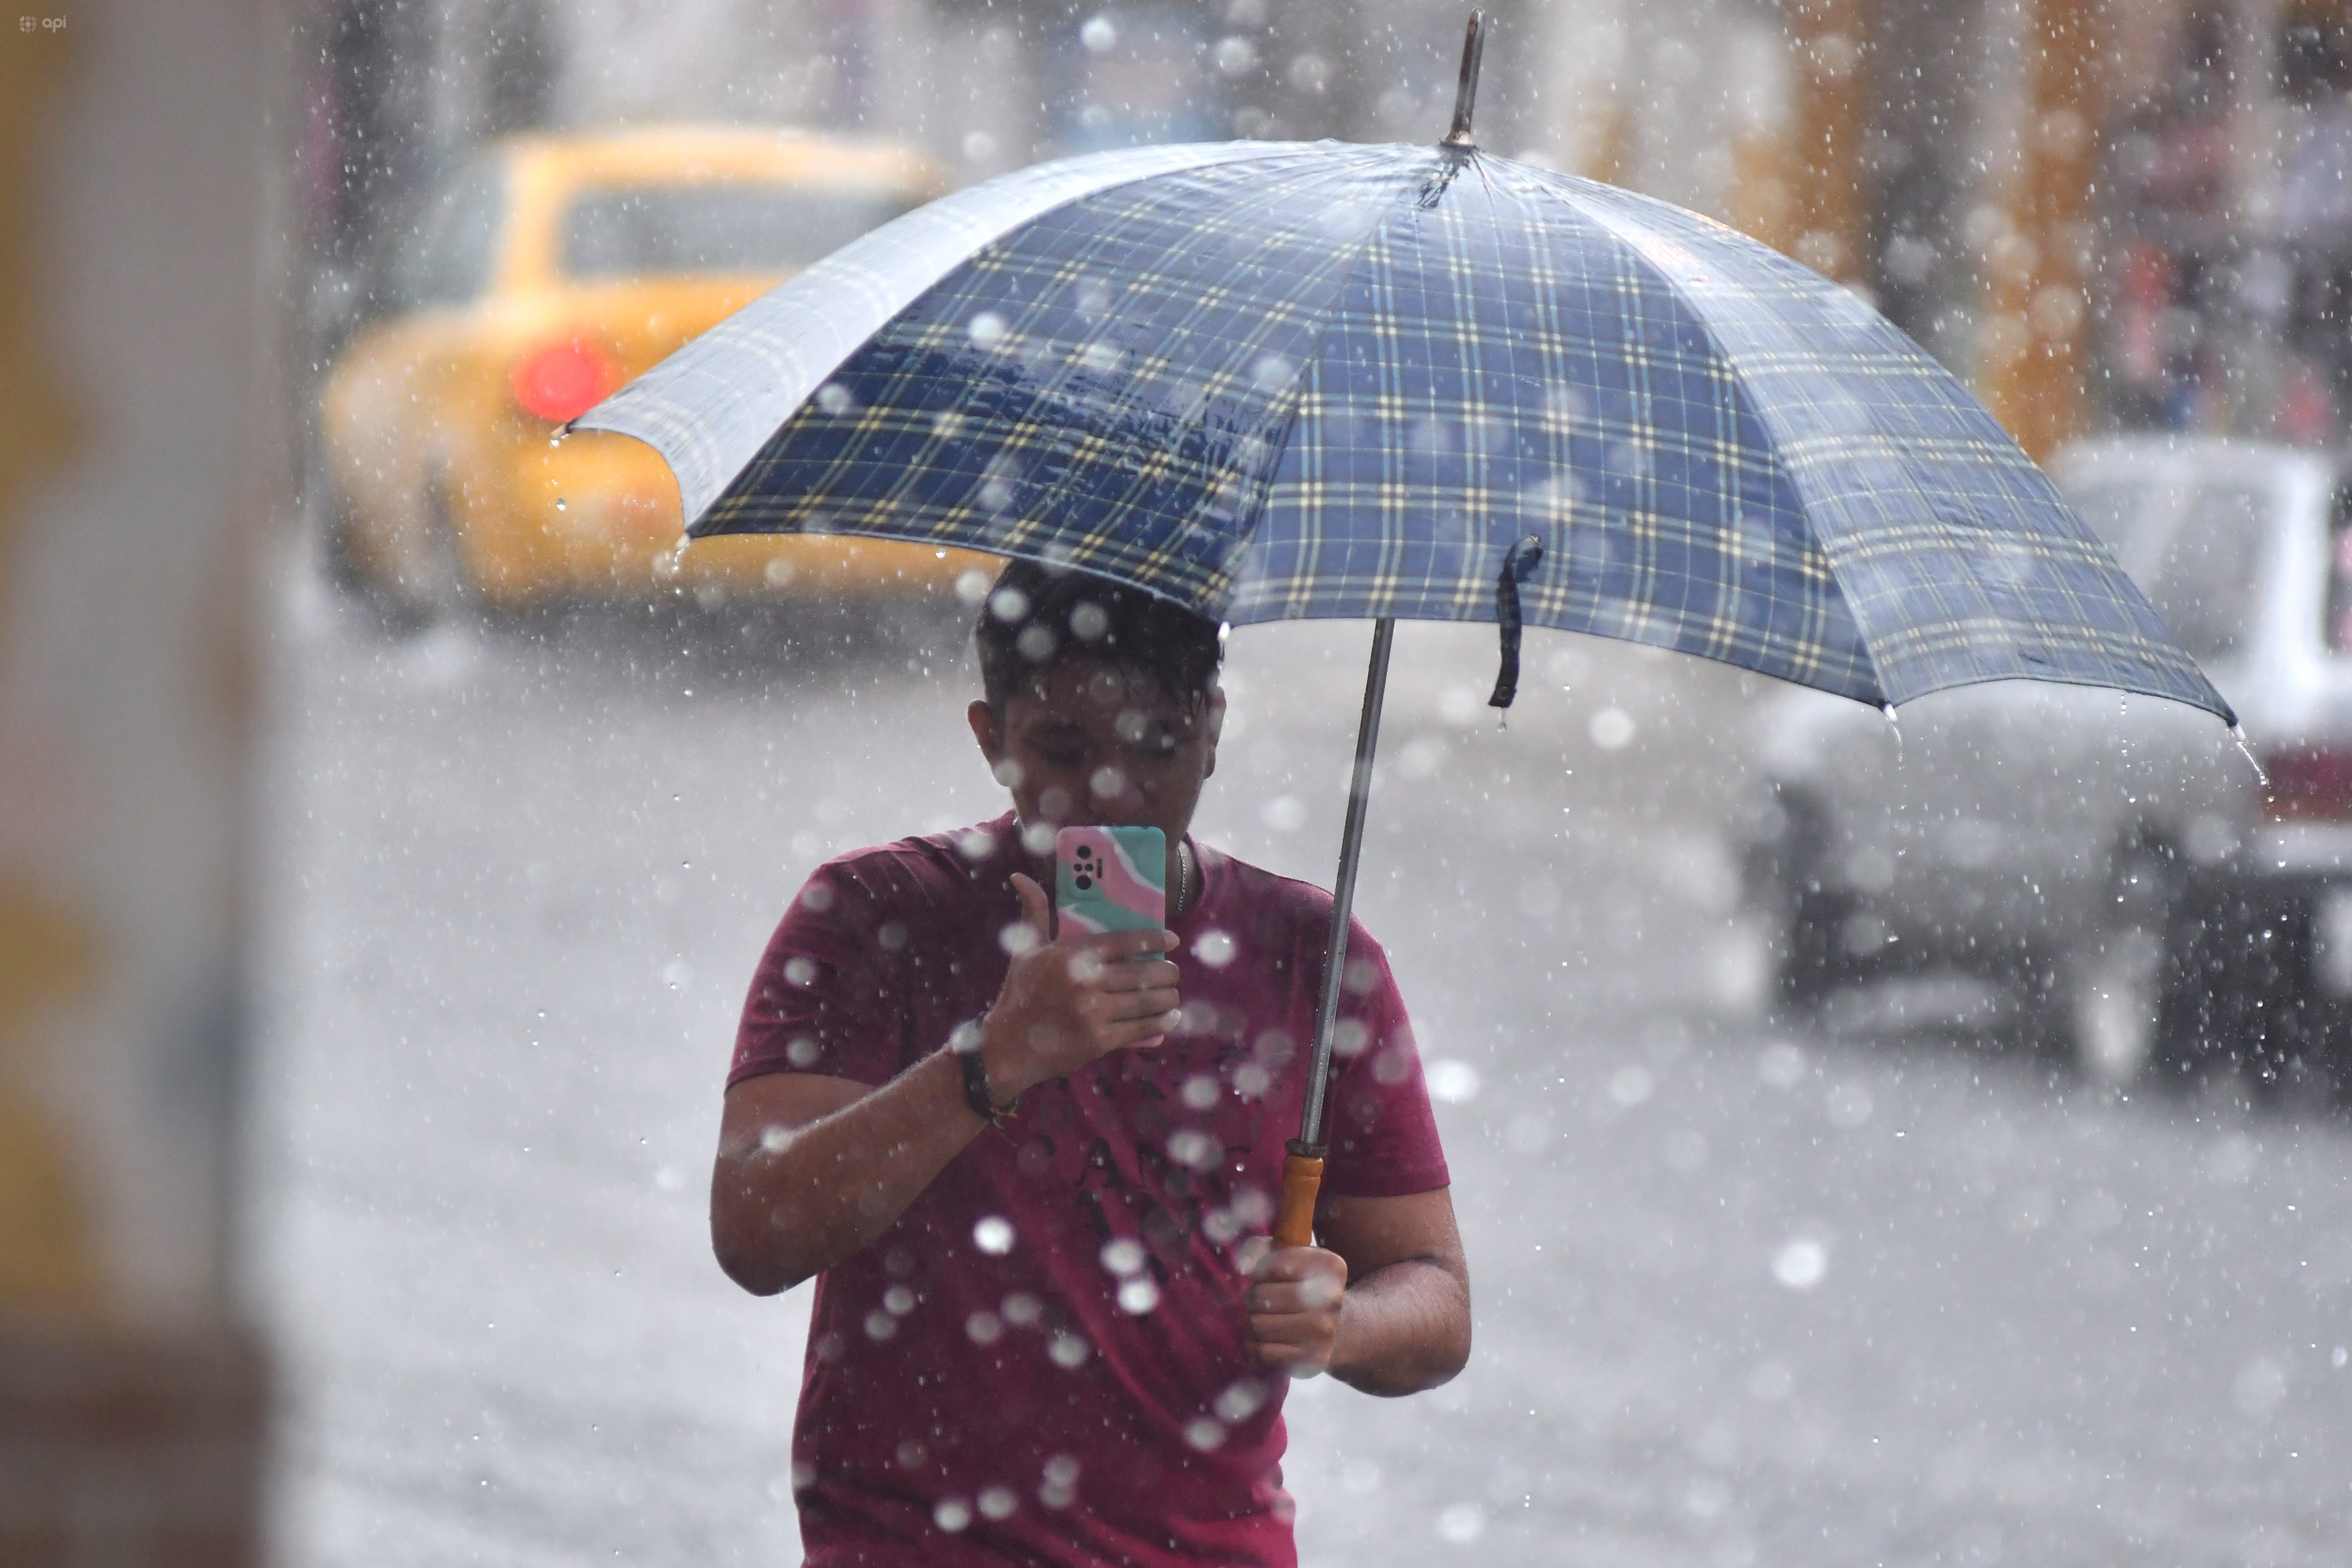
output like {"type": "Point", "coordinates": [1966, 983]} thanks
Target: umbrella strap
{"type": "Point", "coordinates": [1517, 566]}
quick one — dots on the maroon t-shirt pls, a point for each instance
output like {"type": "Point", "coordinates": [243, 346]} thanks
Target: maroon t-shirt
{"type": "Point", "coordinates": [1041, 1361]}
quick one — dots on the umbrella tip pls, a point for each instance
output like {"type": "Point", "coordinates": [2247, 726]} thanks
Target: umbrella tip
{"type": "Point", "coordinates": [1465, 97]}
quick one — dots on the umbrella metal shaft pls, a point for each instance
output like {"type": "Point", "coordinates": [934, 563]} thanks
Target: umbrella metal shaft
{"type": "Point", "coordinates": [1343, 888]}
{"type": "Point", "coordinates": [1302, 1170]}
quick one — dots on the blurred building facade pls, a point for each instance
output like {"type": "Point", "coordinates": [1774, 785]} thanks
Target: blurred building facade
{"type": "Point", "coordinates": [2228, 266]}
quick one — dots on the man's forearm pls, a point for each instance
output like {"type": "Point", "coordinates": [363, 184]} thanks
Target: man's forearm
{"type": "Point", "coordinates": [794, 1202]}
{"type": "Point", "coordinates": [1403, 1328]}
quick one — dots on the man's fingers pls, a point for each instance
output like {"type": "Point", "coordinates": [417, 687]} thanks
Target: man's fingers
{"type": "Point", "coordinates": [1313, 1295]}
{"type": "Point", "coordinates": [1114, 946]}
{"type": "Point", "coordinates": [1299, 1361]}
{"type": "Point", "coordinates": [1119, 1006]}
{"type": "Point", "coordinates": [1137, 1032]}
{"type": "Point", "coordinates": [1296, 1263]}
{"type": "Point", "coordinates": [1133, 974]}
{"type": "Point", "coordinates": [1036, 910]}
{"type": "Point", "coordinates": [1088, 966]}
{"type": "Point", "coordinates": [1290, 1328]}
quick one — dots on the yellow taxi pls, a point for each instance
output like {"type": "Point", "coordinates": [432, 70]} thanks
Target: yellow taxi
{"type": "Point", "coordinates": [540, 275]}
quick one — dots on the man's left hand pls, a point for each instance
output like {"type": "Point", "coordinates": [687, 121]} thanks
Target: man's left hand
{"type": "Point", "coordinates": [1294, 1300]}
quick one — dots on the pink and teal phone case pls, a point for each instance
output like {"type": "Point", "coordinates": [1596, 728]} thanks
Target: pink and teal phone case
{"type": "Point", "coordinates": [1110, 878]}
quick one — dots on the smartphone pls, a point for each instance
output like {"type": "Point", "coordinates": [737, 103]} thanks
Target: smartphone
{"type": "Point", "coordinates": [1110, 878]}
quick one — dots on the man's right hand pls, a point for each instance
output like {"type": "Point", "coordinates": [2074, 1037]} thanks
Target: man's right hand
{"type": "Point", "coordinates": [1066, 1003]}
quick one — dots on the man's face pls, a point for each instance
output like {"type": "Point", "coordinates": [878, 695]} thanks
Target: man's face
{"type": "Point", "coordinates": [1084, 743]}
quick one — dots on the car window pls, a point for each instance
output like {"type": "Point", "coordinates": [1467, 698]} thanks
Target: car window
{"type": "Point", "coordinates": [2203, 582]}
{"type": "Point", "coordinates": [2194, 548]}
{"type": "Point", "coordinates": [718, 228]}
{"type": "Point", "coordinates": [445, 258]}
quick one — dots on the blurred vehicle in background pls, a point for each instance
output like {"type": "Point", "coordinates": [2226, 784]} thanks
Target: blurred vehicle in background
{"type": "Point", "coordinates": [2158, 902]}
{"type": "Point", "coordinates": [540, 275]}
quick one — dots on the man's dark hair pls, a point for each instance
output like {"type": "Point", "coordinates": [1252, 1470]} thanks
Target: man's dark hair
{"type": "Point", "coordinates": [1036, 614]}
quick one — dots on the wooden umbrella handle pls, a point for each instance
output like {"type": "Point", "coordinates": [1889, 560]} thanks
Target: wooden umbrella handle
{"type": "Point", "coordinates": [1302, 1178]}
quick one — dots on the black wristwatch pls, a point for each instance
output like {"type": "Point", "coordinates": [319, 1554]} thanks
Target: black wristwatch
{"type": "Point", "coordinates": [965, 1044]}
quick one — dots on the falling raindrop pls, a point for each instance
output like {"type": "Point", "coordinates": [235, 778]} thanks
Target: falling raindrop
{"type": "Point", "coordinates": [1611, 728]}
{"type": "Point", "coordinates": [2238, 734]}
{"type": "Point", "coordinates": [1213, 948]}
{"type": "Point", "coordinates": [1452, 1082]}
{"type": "Point", "coordinates": [1800, 1263]}
{"type": "Point", "coordinates": [1243, 1399]}
{"type": "Point", "coordinates": [1461, 1523]}
{"type": "Point", "coordinates": [1780, 1065]}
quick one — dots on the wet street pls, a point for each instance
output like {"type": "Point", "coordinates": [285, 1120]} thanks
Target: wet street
{"type": "Point", "coordinates": [1743, 1294]}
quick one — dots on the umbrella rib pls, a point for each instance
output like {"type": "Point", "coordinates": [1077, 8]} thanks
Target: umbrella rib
{"type": "Point", "coordinates": [1609, 225]}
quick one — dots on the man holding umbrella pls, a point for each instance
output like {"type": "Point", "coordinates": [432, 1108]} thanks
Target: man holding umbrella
{"type": "Point", "coordinates": [1066, 1340]}
{"type": "Point", "coordinates": [1243, 383]}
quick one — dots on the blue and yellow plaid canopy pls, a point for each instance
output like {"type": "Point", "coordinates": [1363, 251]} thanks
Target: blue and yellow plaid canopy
{"type": "Point", "coordinates": [1280, 381]}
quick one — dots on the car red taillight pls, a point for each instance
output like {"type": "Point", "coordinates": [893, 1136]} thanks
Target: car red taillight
{"type": "Point", "coordinates": [563, 381]}
{"type": "Point", "coordinates": [2307, 783]}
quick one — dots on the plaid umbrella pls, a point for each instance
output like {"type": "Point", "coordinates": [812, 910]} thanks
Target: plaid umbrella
{"type": "Point", "coordinates": [1276, 381]}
